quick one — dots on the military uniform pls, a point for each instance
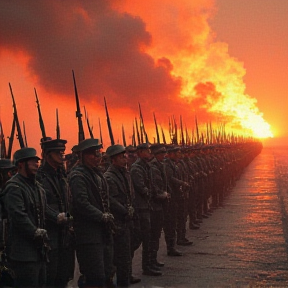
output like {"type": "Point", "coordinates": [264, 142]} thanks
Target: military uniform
{"type": "Point", "coordinates": [60, 269]}
{"type": "Point", "coordinates": [25, 203]}
{"type": "Point", "coordinates": [94, 241]}
{"type": "Point", "coordinates": [141, 179]}
{"type": "Point", "coordinates": [119, 184]}
{"type": "Point", "coordinates": [158, 200]}
{"type": "Point", "coordinates": [170, 213]}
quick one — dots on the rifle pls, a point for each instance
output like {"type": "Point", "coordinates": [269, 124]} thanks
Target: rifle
{"type": "Point", "coordinates": [157, 132]}
{"type": "Point", "coordinates": [123, 136]}
{"type": "Point", "coordinates": [138, 135]}
{"type": "Point", "coordinates": [109, 124]}
{"type": "Point", "coordinates": [182, 132]}
{"type": "Point", "coordinates": [2, 143]}
{"type": "Point", "coordinates": [142, 124]}
{"type": "Point", "coordinates": [41, 122]}
{"type": "Point", "coordinates": [163, 135]}
{"type": "Point", "coordinates": [197, 130]}
{"type": "Point", "coordinates": [57, 125]}
{"type": "Point", "coordinates": [24, 131]}
{"type": "Point", "coordinates": [100, 130]}
{"type": "Point", "coordinates": [11, 138]}
{"type": "Point", "coordinates": [88, 124]}
{"type": "Point", "coordinates": [20, 138]}
{"type": "Point", "coordinates": [175, 134]}
{"type": "Point", "coordinates": [133, 137]}
{"type": "Point", "coordinates": [81, 135]}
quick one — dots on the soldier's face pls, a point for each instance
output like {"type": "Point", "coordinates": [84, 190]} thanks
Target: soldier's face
{"type": "Point", "coordinates": [92, 158]}
{"type": "Point", "coordinates": [145, 154]}
{"type": "Point", "coordinates": [160, 157]}
{"type": "Point", "coordinates": [120, 160]}
{"type": "Point", "coordinates": [57, 156]}
{"type": "Point", "coordinates": [29, 168]}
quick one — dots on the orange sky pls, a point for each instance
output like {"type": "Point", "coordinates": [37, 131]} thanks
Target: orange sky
{"type": "Point", "coordinates": [220, 60]}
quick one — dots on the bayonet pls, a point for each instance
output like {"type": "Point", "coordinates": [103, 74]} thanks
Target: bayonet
{"type": "Point", "coordinates": [156, 127]}
{"type": "Point", "coordinates": [41, 122]}
{"type": "Point", "coordinates": [19, 133]}
{"type": "Point", "coordinates": [100, 131]}
{"type": "Point", "coordinates": [90, 129]}
{"type": "Point", "coordinates": [81, 135]}
{"type": "Point", "coordinates": [57, 125]}
{"type": "Point", "coordinates": [163, 135]}
{"type": "Point", "coordinates": [137, 131]}
{"type": "Point", "coordinates": [24, 132]}
{"type": "Point", "coordinates": [123, 136]}
{"type": "Point", "coordinates": [109, 124]}
{"type": "Point", "coordinates": [11, 139]}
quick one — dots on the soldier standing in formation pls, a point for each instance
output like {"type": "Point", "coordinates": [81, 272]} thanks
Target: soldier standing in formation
{"type": "Point", "coordinates": [25, 204]}
{"type": "Point", "coordinates": [93, 222]}
{"type": "Point", "coordinates": [51, 176]}
{"type": "Point", "coordinates": [141, 179]}
{"type": "Point", "coordinates": [5, 167]}
{"type": "Point", "coordinates": [119, 184]}
{"type": "Point", "coordinates": [175, 186]}
{"type": "Point", "coordinates": [160, 196]}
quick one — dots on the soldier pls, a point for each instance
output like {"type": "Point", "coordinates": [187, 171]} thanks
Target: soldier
{"type": "Point", "coordinates": [93, 222]}
{"type": "Point", "coordinates": [119, 183]}
{"type": "Point", "coordinates": [140, 176]}
{"type": "Point", "coordinates": [25, 204]}
{"type": "Point", "coordinates": [5, 168]}
{"type": "Point", "coordinates": [131, 155]}
{"type": "Point", "coordinates": [52, 177]}
{"type": "Point", "coordinates": [174, 188]}
{"type": "Point", "coordinates": [159, 198]}
{"type": "Point", "coordinates": [182, 199]}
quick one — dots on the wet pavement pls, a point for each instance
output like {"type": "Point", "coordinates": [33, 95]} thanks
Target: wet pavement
{"type": "Point", "coordinates": [244, 243]}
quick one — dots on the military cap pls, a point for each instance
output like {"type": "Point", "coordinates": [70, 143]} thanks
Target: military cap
{"type": "Point", "coordinates": [131, 149]}
{"type": "Point", "coordinates": [55, 144]}
{"type": "Point", "coordinates": [75, 148]}
{"type": "Point", "coordinates": [89, 144]}
{"type": "Point", "coordinates": [143, 146]}
{"type": "Point", "coordinates": [158, 148]}
{"type": "Point", "coordinates": [6, 164]}
{"type": "Point", "coordinates": [173, 148]}
{"type": "Point", "coordinates": [115, 150]}
{"type": "Point", "coordinates": [24, 154]}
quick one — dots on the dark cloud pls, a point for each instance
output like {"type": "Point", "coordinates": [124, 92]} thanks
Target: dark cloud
{"type": "Point", "coordinates": [105, 48]}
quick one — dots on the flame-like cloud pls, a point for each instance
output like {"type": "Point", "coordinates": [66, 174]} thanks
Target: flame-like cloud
{"type": "Point", "coordinates": [162, 55]}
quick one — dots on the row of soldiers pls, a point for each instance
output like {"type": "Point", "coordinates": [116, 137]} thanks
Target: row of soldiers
{"type": "Point", "coordinates": [106, 205]}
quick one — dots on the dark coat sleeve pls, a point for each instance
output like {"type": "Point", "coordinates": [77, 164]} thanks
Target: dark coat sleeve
{"type": "Point", "coordinates": [80, 196]}
{"type": "Point", "coordinates": [16, 203]}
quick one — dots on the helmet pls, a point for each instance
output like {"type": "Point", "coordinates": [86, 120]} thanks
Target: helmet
{"type": "Point", "coordinates": [115, 150]}
{"type": "Point", "coordinates": [6, 164]}
{"type": "Point", "coordinates": [89, 143]}
{"type": "Point", "coordinates": [24, 154]}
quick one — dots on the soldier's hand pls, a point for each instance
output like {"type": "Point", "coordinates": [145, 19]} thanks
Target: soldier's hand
{"type": "Point", "coordinates": [130, 212]}
{"type": "Point", "coordinates": [186, 184]}
{"type": "Point", "coordinates": [164, 195]}
{"type": "Point", "coordinates": [61, 218]}
{"type": "Point", "coordinates": [40, 234]}
{"type": "Point", "coordinates": [107, 217]}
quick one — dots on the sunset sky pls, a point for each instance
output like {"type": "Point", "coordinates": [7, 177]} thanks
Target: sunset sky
{"type": "Point", "coordinates": [222, 61]}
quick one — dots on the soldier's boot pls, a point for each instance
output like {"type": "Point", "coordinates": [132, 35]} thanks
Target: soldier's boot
{"type": "Point", "coordinates": [154, 260]}
{"type": "Point", "coordinates": [171, 251]}
{"type": "Point", "coordinates": [147, 268]}
{"type": "Point", "coordinates": [183, 241]}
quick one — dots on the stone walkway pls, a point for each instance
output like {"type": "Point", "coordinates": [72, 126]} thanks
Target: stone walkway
{"type": "Point", "coordinates": [240, 245]}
